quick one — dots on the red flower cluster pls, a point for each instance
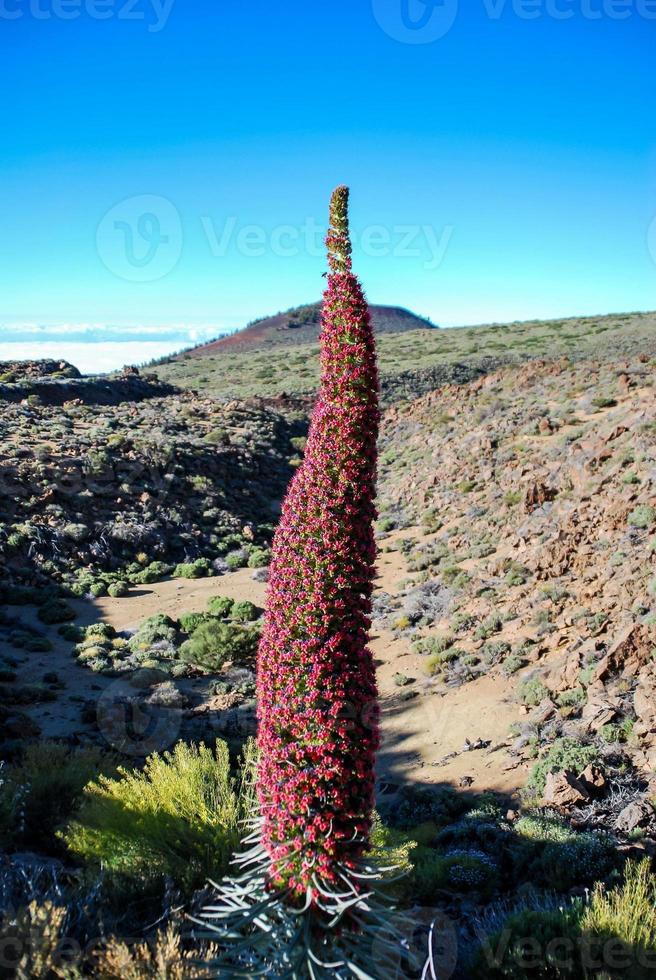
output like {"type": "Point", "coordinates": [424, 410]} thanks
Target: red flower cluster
{"type": "Point", "coordinates": [317, 696]}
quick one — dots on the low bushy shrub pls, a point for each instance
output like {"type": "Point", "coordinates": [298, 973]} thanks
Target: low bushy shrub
{"type": "Point", "coordinates": [56, 611]}
{"type": "Point", "coordinates": [179, 817]}
{"type": "Point", "coordinates": [155, 629]}
{"type": "Point", "coordinates": [213, 644]}
{"type": "Point", "coordinates": [539, 944]}
{"type": "Point", "coordinates": [221, 606]}
{"type": "Point", "coordinates": [259, 558]}
{"type": "Point", "coordinates": [200, 568]}
{"type": "Point", "coordinates": [565, 753]}
{"type": "Point", "coordinates": [245, 612]}
{"type": "Point", "coordinates": [643, 516]}
{"type": "Point", "coordinates": [191, 621]}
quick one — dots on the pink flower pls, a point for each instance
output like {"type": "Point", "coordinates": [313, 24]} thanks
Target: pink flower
{"type": "Point", "coordinates": [318, 734]}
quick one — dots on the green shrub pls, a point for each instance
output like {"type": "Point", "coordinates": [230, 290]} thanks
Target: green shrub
{"type": "Point", "coordinates": [39, 793]}
{"type": "Point", "coordinates": [179, 817]}
{"type": "Point", "coordinates": [38, 644]}
{"type": "Point", "coordinates": [259, 558]}
{"type": "Point", "coordinates": [540, 944]}
{"type": "Point", "coordinates": [532, 691]}
{"type": "Point", "coordinates": [103, 630]}
{"type": "Point", "coordinates": [573, 698]}
{"type": "Point", "coordinates": [583, 859]}
{"type": "Point", "coordinates": [512, 498]}
{"type": "Point", "coordinates": [628, 915]}
{"type": "Point", "coordinates": [196, 569]}
{"type": "Point", "coordinates": [236, 560]}
{"type": "Point", "coordinates": [221, 606]}
{"type": "Point", "coordinates": [155, 629]}
{"type": "Point", "coordinates": [153, 572]}
{"type": "Point", "coordinates": [213, 644]}
{"type": "Point", "coordinates": [191, 621]}
{"type": "Point", "coordinates": [493, 624]}
{"type": "Point", "coordinates": [436, 661]}
{"type": "Point", "coordinates": [71, 633]}
{"type": "Point", "coordinates": [117, 590]}
{"type": "Point", "coordinates": [245, 612]}
{"type": "Point", "coordinates": [604, 401]}
{"type": "Point", "coordinates": [565, 753]}
{"type": "Point", "coordinates": [512, 664]}
{"type": "Point", "coordinates": [56, 611]}
{"type": "Point", "coordinates": [643, 516]}
{"type": "Point", "coordinates": [462, 870]}
{"type": "Point", "coordinates": [434, 643]}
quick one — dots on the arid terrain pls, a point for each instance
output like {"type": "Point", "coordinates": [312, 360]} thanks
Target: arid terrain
{"type": "Point", "coordinates": [514, 622]}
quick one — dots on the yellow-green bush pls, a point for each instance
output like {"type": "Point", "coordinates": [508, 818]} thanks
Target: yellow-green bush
{"type": "Point", "coordinates": [179, 817]}
{"type": "Point", "coordinates": [627, 913]}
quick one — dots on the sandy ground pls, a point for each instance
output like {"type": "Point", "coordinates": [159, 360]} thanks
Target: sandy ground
{"type": "Point", "coordinates": [424, 735]}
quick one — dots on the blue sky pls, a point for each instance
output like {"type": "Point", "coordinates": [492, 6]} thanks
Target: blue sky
{"type": "Point", "coordinates": [169, 166]}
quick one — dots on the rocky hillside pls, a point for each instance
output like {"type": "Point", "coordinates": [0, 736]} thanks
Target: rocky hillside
{"type": "Point", "coordinates": [524, 505]}
{"type": "Point", "coordinates": [12, 372]}
{"type": "Point", "coordinates": [57, 382]}
{"type": "Point", "coordinates": [91, 487]}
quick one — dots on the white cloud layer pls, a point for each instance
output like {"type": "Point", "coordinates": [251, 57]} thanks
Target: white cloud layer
{"type": "Point", "coordinates": [99, 333]}
{"type": "Point", "coordinates": [94, 358]}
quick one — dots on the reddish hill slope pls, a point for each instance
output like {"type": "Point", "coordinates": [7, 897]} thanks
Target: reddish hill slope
{"type": "Point", "coordinates": [301, 325]}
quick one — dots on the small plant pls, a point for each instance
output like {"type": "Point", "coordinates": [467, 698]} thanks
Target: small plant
{"type": "Point", "coordinates": [197, 569]}
{"type": "Point", "coordinates": [532, 691]}
{"type": "Point", "coordinates": [56, 611]}
{"type": "Point", "coordinates": [564, 754]}
{"type": "Point", "coordinates": [512, 497]}
{"type": "Point", "coordinates": [644, 516]}
{"type": "Point", "coordinates": [493, 624]}
{"type": "Point", "coordinates": [604, 401]}
{"type": "Point", "coordinates": [213, 644]}
{"type": "Point", "coordinates": [41, 791]}
{"type": "Point", "coordinates": [573, 698]}
{"type": "Point", "coordinates": [220, 606]}
{"type": "Point", "coordinates": [161, 958]}
{"type": "Point", "coordinates": [245, 612]}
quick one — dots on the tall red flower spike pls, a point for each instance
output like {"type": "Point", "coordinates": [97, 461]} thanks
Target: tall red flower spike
{"type": "Point", "coordinates": [317, 696]}
{"type": "Point", "coordinates": [307, 903]}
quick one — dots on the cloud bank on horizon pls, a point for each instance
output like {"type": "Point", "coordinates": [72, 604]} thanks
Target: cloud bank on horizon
{"type": "Point", "coordinates": [95, 348]}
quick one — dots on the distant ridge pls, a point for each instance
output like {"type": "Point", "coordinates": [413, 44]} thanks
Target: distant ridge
{"type": "Point", "coordinates": [302, 324]}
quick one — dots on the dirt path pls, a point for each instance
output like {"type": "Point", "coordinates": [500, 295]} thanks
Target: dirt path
{"type": "Point", "coordinates": [424, 733]}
